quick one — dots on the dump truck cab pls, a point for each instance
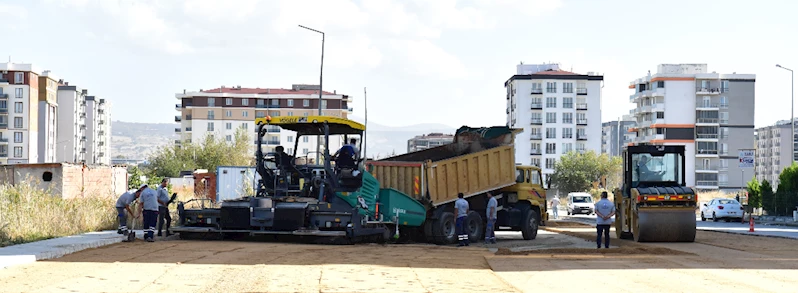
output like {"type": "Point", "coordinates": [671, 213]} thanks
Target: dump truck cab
{"type": "Point", "coordinates": [528, 190]}
{"type": "Point", "coordinates": [654, 204]}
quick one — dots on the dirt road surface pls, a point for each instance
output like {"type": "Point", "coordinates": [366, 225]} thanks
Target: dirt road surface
{"type": "Point", "coordinates": [723, 262]}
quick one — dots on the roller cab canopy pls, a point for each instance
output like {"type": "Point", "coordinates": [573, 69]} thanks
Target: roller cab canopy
{"type": "Point", "coordinates": [314, 125]}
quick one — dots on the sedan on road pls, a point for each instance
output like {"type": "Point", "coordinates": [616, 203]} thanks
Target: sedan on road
{"type": "Point", "coordinates": [722, 208]}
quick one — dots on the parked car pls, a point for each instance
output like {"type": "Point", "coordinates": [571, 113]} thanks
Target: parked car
{"type": "Point", "coordinates": [580, 203]}
{"type": "Point", "coordinates": [722, 208]}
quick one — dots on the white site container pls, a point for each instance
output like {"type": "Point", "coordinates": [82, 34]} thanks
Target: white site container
{"type": "Point", "coordinates": [235, 181]}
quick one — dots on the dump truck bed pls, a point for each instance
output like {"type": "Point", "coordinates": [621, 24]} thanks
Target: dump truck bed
{"type": "Point", "coordinates": [473, 164]}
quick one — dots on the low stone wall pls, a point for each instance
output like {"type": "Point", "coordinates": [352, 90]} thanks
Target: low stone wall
{"type": "Point", "coordinates": [68, 180]}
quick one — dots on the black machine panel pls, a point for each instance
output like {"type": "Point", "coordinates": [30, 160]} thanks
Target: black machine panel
{"type": "Point", "coordinates": [289, 216]}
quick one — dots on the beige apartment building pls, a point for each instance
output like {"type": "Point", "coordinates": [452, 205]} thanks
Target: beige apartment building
{"type": "Point", "coordinates": [19, 113]}
{"type": "Point", "coordinates": [220, 112]}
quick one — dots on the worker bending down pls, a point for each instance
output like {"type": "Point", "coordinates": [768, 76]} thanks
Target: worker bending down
{"type": "Point", "coordinates": [122, 205]}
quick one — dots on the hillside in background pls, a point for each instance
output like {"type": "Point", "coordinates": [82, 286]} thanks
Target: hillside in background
{"type": "Point", "coordinates": [137, 140]}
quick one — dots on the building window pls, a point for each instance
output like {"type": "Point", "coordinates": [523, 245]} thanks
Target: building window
{"type": "Point", "coordinates": [724, 86]}
{"type": "Point", "coordinates": [660, 115]}
{"type": "Point", "coordinates": [724, 102]}
{"type": "Point", "coordinates": [304, 151]}
{"type": "Point", "coordinates": [211, 102]}
{"type": "Point", "coordinates": [305, 139]}
{"type": "Point", "coordinates": [551, 117]}
{"type": "Point", "coordinates": [551, 132]}
{"type": "Point", "coordinates": [535, 162]}
{"type": "Point", "coordinates": [274, 113]}
{"type": "Point", "coordinates": [305, 114]}
{"type": "Point", "coordinates": [275, 102]}
{"type": "Point", "coordinates": [245, 113]}
{"type": "Point", "coordinates": [228, 125]}
{"type": "Point", "coordinates": [18, 137]}
{"type": "Point", "coordinates": [211, 115]}
{"type": "Point", "coordinates": [260, 114]}
{"type": "Point", "coordinates": [210, 126]}
{"type": "Point", "coordinates": [551, 148]}
{"type": "Point", "coordinates": [568, 118]}
{"type": "Point", "coordinates": [567, 132]}
{"type": "Point", "coordinates": [306, 103]}
{"type": "Point", "coordinates": [550, 162]}
{"type": "Point", "coordinates": [324, 104]}
{"type": "Point", "coordinates": [289, 138]}
{"type": "Point", "coordinates": [551, 102]}
{"type": "Point", "coordinates": [245, 102]}
{"type": "Point", "coordinates": [551, 87]}
{"type": "Point", "coordinates": [244, 125]}
{"type": "Point", "coordinates": [568, 103]}
{"type": "Point", "coordinates": [19, 92]}
{"type": "Point", "coordinates": [18, 107]}
{"type": "Point", "coordinates": [568, 87]}
{"type": "Point", "coordinates": [19, 77]}
{"type": "Point", "coordinates": [229, 113]}
{"type": "Point", "coordinates": [567, 147]}
{"type": "Point", "coordinates": [290, 102]}
{"type": "Point", "coordinates": [228, 137]}
{"type": "Point", "coordinates": [228, 101]}
{"type": "Point", "coordinates": [17, 152]}
{"type": "Point", "coordinates": [290, 113]}
{"type": "Point", "coordinates": [17, 122]}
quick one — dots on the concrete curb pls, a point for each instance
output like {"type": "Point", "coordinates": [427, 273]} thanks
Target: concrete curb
{"type": "Point", "coordinates": [57, 247]}
{"type": "Point", "coordinates": [741, 233]}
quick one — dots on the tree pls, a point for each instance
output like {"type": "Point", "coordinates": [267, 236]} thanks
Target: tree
{"type": "Point", "coordinates": [576, 171]}
{"type": "Point", "coordinates": [134, 180]}
{"type": "Point", "coordinates": [788, 184]}
{"type": "Point", "coordinates": [767, 196]}
{"type": "Point", "coordinates": [754, 193]}
{"type": "Point", "coordinates": [168, 161]}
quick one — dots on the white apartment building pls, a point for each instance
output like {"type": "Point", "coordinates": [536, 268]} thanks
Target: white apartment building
{"type": "Point", "coordinates": [48, 117]}
{"type": "Point", "coordinates": [615, 135]}
{"type": "Point", "coordinates": [560, 111]}
{"type": "Point", "coordinates": [711, 114]}
{"type": "Point", "coordinates": [19, 111]}
{"type": "Point", "coordinates": [98, 131]}
{"type": "Point", "coordinates": [72, 140]}
{"type": "Point", "coordinates": [220, 112]}
{"type": "Point", "coordinates": [773, 151]}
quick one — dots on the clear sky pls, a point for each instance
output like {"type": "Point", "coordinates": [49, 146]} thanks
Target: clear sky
{"type": "Point", "coordinates": [423, 61]}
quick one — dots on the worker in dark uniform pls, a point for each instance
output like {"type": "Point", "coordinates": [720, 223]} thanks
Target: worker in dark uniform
{"type": "Point", "coordinates": [163, 208]}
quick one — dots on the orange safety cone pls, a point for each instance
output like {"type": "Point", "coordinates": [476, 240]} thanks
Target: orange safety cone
{"type": "Point", "coordinates": [751, 225]}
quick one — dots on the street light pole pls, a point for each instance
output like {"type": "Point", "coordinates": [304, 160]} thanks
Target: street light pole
{"type": "Point", "coordinates": [321, 79]}
{"type": "Point", "coordinates": [792, 111]}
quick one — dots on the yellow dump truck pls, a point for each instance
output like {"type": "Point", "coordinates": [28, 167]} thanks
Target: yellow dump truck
{"type": "Point", "coordinates": [480, 160]}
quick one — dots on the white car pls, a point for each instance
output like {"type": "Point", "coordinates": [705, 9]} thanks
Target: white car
{"type": "Point", "coordinates": [580, 203]}
{"type": "Point", "coordinates": [722, 208]}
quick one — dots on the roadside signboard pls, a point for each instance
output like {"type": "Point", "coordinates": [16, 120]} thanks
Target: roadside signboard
{"type": "Point", "coordinates": [746, 158]}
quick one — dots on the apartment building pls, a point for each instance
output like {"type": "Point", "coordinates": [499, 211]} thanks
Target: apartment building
{"type": "Point", "coordinates": [48, 117]}
{"type": "Point", "coordinates": [426, 141]}
{"type": "Point", "coordinates": [72, 140]}
{"type": "Point", "coordinates": [560, 111]}
{"type": "Point", "coordinates": [220, 112]}
{"type": "Point", "coordinates": [615, 135]}
{"type": "Point", "coordinates": [711, 114]}
{"type": "Point", "coordinates": [98, 131]}
{"type": "Point", "coordinates": [773, 151]}
{"type": "Point", "coordinates": [19, 127]}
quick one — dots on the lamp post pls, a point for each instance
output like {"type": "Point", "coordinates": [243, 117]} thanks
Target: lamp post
{"type": "Point", "coordinates": [792, 111]}
{"type": "Point", "coordinates": [321, 79]}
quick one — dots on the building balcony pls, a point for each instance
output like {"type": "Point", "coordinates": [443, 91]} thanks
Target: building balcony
{"type": "Point", "coordinates": [535, 136]}
{"type": "Point", "coordinates": [3, 110]}
{"type": "Point", "coordinates": [581, 121]}
{"type": "Point", "coordinates": [707, 90]}
{"type": "Point", "coordinates": [188, 129]}
{"type": "Point", "coordinates": [702, 105]}
{"type": "Point", "coordinates": [177, 141]}
{"type": "Point", "coordinates": [535, 152]}
{"type": "Point", "coordinates": [582, 91]}
{"type": "Point", "coordinates": [706, 152]}
{"type": "Point", "coordinates": [3, 155]}
{"type": "Point", "coordinates": [581, 106]}
{"type": "Point", "coordinates": [706, 184]}
{"type": "Point", "coordinates": [714, 121]}
{"type": "Point", "coordinates": [580, 136]}
{"type": "Point", "coordinates": [101, 122]}
{"type": "Point", "coordinates": [178, 119]}
{"type": "Point", "coordinates": [709, 136]}
{"type": "Point", "coordinates": [536, 106]}
{"type": "Point", "coordinates": [101, 133]}
{"type": "Point", "coordinates": [273, 129]}
{"type": "Point", "coordinates": [536, 121]}
{"type": "Point", "coordinates": [177, 130]}
{"type": "Point", "coordinates": [3, 140]}
{"type": "Point", "coordinates": [270, 106]}
{"type": "Point", "coordinates": [3, 125]}
{"type": "Point", "coordinates": [658, 92]}
{"type": "Point", "coordinates": [710, 168]}
{"type": "Point", "coordinates": [178, 107]}
{"type": "Point", "coordinates": [4, 96]}
{"type": "Point", "coordinates": [536, 92]}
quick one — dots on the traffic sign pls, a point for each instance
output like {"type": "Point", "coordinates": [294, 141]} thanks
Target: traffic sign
{"type": "Point", "coordinates": [746, 158]}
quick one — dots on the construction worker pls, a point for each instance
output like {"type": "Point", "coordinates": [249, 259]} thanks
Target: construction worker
{"type": "Point", "coordinates": [163, 208]}
{"type": "Point", "coordinates": [490, 213]}
{"type": "Point", "coordinates": [122, 205]}
{"type": "Point", "coordinates": [460, 213]}
{"type": "Point", "coordinates": [605, 210]}
{"type": "Point", "coordinates": [149, 210]}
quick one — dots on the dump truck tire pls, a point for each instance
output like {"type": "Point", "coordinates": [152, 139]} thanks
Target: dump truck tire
{"type": "Point", "coordinates": [529, 228]}
{"type": "Point", "coordinates": [444, 229]}
{"type": "Point", "coordinates": [475, 225]}
{"type": "Point", "coordinates": [665, 226]}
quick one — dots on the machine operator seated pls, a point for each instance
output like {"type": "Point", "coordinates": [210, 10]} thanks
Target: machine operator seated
{"type": "Point", "coordinates": [346, 158]}
{"type": "Point", "coordinates": [645, 174]}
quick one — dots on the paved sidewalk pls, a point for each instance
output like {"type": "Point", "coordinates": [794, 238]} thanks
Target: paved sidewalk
{"type": "Point", "coordinates": [57, 247]}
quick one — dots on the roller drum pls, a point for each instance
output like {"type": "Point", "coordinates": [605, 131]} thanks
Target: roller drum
{"type": "Point", "coordinates": [665, 225]}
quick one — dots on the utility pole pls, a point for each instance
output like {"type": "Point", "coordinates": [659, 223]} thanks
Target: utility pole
{"type": "Point", "coordinates": [321, 80]}
{"type": "Point", "coordinates": [366, 109]}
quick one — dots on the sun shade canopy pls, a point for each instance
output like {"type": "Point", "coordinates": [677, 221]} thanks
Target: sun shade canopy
{"type": "Point", "coordinates": [314, 125]}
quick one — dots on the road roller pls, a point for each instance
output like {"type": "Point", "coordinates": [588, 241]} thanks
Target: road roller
{"type": "Point", "coordinates": [654, 204]}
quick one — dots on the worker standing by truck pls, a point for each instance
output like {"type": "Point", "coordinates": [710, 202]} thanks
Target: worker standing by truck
{"type": "Point", "coordinates": [163, 208]}
{"type": "Point", "coordinates": [149, 210]}
{"type": "Point", "coordinates": [460, 213]}
{"type": "Point", "coordinates": [490, 213]}
{"type": "Point", "coordinates": [605, 210]}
